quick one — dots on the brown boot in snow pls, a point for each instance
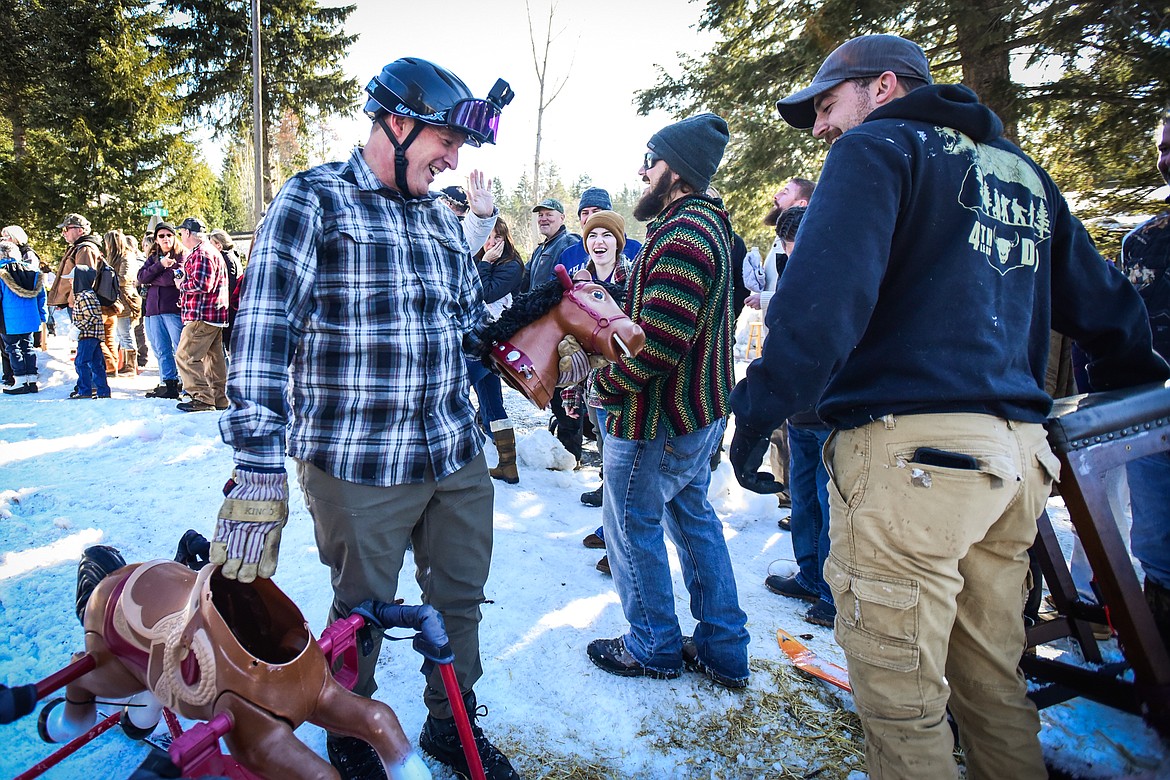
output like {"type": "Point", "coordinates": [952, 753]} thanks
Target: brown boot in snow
{"type": "Point", "coordinates": [505, 437]}
{"type": "Point", "coordinates": [128, 363]}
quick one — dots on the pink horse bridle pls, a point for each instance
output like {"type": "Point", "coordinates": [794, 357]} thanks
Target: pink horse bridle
{"type": "Point", "coordinates": [572, 292]}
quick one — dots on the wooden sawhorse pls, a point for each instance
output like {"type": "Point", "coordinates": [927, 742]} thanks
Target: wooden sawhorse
{"type": "Point", "coordinates": [1092, 434]}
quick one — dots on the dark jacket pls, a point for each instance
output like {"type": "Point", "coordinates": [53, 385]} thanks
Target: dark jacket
{"type": "Point", "coordinates": [500, 278]}
{"type": "Point", "coordinates": [928, 271]}
{"type": "Point", "coordinates": [162, 296]}
{"type": "Point", "coordinates": [1145, 259]}
{"type": "Point", "coordinates": [545, 257]}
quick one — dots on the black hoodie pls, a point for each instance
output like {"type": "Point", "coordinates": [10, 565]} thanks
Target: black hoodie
{"type": "Point", "coordinates": [932, 262]}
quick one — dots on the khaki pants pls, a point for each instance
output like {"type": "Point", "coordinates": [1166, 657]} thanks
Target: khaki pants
{"type": "Point", "coordinates": [928, 566]}
{"type": "Point", "coordinates": [362, 532]}
{"type": "Point", "coordinates": [201, 363]}
{"type": "Point", "coordinates": [109, 344]}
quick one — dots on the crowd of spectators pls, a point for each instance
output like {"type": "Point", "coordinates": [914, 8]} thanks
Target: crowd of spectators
{"type": "Point", "coordinates": [143, 299]}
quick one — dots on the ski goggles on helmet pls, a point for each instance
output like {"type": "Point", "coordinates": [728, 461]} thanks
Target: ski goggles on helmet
{"type": "Point", "coordinates": [478, 119]}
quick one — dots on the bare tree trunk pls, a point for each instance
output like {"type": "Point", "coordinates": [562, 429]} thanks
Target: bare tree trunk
{"type": "Point", "coordinates": [982, 37]}
{"type": "Point", "coordinates": [268, 176]}
{"type": "Point", "coordinates": [540, 63]}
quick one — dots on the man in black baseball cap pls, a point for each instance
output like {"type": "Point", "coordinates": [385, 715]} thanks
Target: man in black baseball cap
{"type": "Point", "coordinates": [920, 333]}
{"type": "Point", "coordinates": [859, 58]}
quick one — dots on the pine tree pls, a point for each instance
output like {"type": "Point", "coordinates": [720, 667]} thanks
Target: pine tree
{"type": "Point", "coordinates": [90, 114]}
{"type": "Point", "coordinates": [1116, 59]}
{"type": "Point", "coordinates": [301, 47]}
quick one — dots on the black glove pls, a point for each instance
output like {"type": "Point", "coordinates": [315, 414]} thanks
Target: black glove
{"type": "Point", "coordinates": [747, 455]}
{"type": "Point", "coordinates": [17, 702]}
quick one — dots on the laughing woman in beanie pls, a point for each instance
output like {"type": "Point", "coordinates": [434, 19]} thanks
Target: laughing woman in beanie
{"type": "Point", "coordinates": [605, 241]}
{"type": "Point", "coordinates": [163, 323]}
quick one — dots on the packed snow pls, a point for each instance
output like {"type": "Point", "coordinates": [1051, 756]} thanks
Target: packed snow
{"type": "Point", "coordinates": [135, 473]}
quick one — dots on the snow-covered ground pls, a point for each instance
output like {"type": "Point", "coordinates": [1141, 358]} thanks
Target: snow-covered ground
{"type": "Point", "coordinates": [134, 473]}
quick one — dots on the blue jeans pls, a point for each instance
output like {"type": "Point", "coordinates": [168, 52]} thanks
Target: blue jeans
{"type": "Point", "coordinates": [20, 353]}
{"type": "Point", "coordinates": [125, 333]}
{"type": "Point", "coordinates": [91, 368]}
{"type": "Point", "coordinates": [1149, 498]}
{"type": "Point", "coordinates": [490, 393]}
{"type": "Point", "coordinates": [809, 490]}
{"type": "Point", "coordinates": [657, 484]}
{"type": "Point", "coordinates": [164, 332]}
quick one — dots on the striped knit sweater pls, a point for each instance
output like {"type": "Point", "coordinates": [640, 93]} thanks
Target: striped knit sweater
{"type": "Point", "coordinates": [679, 292]}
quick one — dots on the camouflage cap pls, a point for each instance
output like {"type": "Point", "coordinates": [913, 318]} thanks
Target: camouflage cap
{"type": "Point", "coordinates": [75, 220]}
{"type": "Point", "coordinates": [549, 203]}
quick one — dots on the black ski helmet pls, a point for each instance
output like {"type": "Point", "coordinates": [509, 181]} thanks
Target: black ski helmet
{"type": "Point", "coordinates": [422, 90]}
{"type": "Point", "coordinates": [431, 94]}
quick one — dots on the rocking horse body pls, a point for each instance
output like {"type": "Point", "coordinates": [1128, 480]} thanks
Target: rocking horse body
{"type": "Point", "coordinates": [527, 355]}
{"type": "Point", "coordinates": [202, 645]}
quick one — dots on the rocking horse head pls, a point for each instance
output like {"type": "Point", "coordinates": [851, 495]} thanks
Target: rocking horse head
{"type": "Point", "coordinates": [523, 341]}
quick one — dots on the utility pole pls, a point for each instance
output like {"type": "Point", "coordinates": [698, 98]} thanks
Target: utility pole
{"type": "Point", "coordinates": [257, 121]}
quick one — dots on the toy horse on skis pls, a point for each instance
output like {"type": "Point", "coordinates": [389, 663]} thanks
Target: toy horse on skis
{"type": "Point", "coordinates": [204, 646]}
{"type": "Point", "coordinates": [523, 341]}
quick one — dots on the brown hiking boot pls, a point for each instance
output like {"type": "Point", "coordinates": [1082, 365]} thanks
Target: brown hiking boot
{"type": "Point", "coordinates": [505, 439]}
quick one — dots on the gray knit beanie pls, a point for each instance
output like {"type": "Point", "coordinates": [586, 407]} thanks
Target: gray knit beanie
{"type": "Point", "coordinates": [692, 148]}
{"type": "Point", "coordinates": [595, 197]}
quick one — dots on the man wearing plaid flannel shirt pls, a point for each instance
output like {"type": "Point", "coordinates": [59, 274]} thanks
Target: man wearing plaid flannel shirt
{"type": "Point", "coordinates": [202, 284]}
{"type": "Point", "coordinates": [348, 357]}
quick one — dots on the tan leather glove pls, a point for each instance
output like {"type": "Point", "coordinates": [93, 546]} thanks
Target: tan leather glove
{"type": "Point", "coordinates": [573, 365]}
{"type": "Point", "coordinates": [247, 532]}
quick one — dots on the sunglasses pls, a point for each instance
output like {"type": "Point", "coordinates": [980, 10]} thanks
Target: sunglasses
{"type": "Point", "coordinates": [165, 235]}
{"type": "Point", "coordinates": [650, 160]}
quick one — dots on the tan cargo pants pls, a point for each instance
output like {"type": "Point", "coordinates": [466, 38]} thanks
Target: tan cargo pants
{"type": "Point", "coordinates": [927, 566]}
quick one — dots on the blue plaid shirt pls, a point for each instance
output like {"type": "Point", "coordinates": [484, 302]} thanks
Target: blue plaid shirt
{"type": "Point", "coordinates": [349, 334]}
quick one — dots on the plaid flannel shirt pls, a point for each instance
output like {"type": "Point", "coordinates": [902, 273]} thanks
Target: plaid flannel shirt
{"type": "Point", "coordinates": [203, 286]}
{"type": "Point", "coordinates": [87, 315]}
{"type": "Point", "coordinates": [350, 333]}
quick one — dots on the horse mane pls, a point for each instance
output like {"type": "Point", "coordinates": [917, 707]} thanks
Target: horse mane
{"type": "Point", "coordinates": [529, 307]}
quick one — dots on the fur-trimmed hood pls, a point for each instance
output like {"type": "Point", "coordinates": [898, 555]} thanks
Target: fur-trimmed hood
{"type": "Point", "coordinates": [20, 279]}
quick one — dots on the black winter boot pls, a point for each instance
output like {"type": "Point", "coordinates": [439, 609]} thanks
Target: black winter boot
{"type": "Point", "coordinates": [440, 738]}
{"type": "Point", "coordinates": [193, 550]}
{"type": "Point", "coordinates": [169, 388]}
{"type": "Point", "coordinates": [353, 758]}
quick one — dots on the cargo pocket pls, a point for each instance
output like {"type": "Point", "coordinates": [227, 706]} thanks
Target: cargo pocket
{"type": "Point", "coordinates": [877, 623]}
{"type": "Point", "coordinates": [1049, 462]}
{"type": "Point", "coordinates": [883, 606]}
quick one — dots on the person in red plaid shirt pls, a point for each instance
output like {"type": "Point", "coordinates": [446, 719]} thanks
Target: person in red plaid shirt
{"type": "Point", "coordinates": [204, 307]}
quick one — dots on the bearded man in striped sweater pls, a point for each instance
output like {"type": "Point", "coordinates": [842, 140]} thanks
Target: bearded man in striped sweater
{"type": "Point", "coordinates": [666, 410]}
